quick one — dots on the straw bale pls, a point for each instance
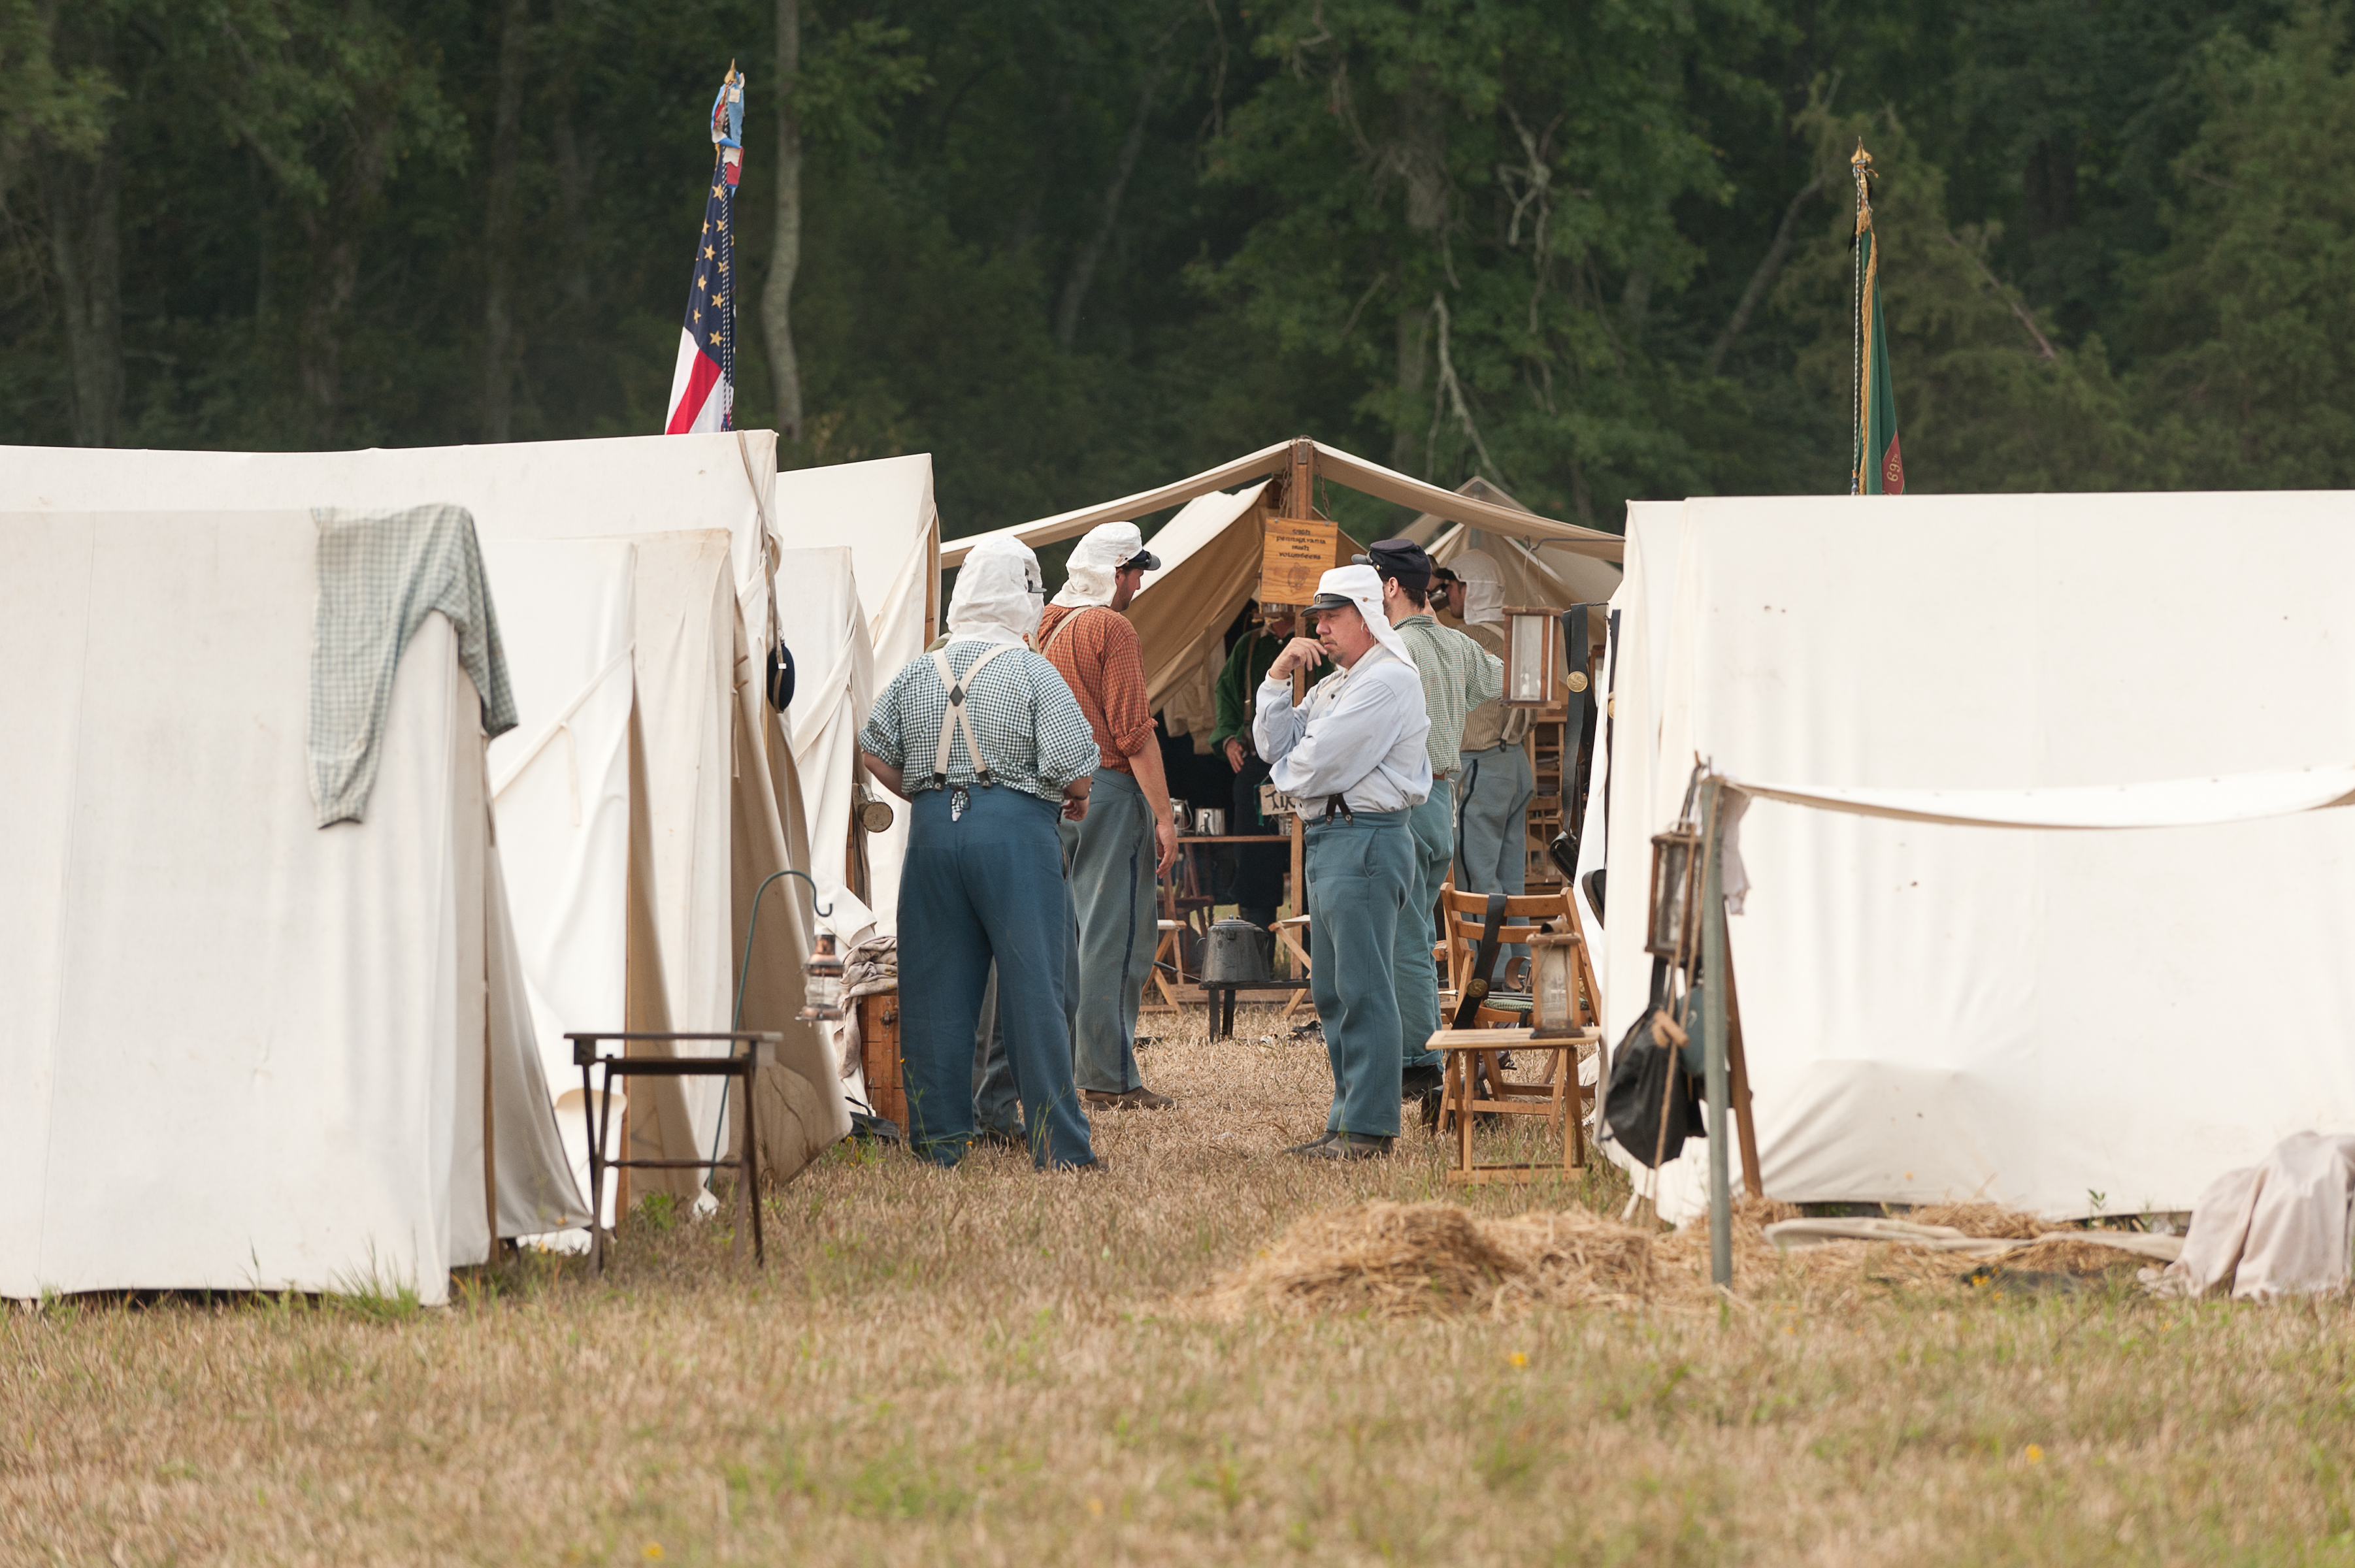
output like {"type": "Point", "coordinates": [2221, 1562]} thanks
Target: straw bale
{"type": "Point", "coordinates": [2064, 1256]}
{"type": "Point", "coordinates": [1982, 1220]}
{"type": "Point", "coordinates": [1392, 1260]}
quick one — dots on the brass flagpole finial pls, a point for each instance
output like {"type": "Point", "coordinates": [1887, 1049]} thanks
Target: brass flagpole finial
{"type": "Point", "coordinates": [1860, 166]}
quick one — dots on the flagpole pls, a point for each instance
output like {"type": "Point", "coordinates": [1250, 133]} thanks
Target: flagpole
{"type": "Point", "coordinates": [1867, 264]}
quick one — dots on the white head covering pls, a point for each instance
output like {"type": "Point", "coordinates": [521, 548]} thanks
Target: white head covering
{"type": "Point", "coordinates": [1362, 587]}
{"type": "Point", "coordinates": [1095, 559]}
{"type": "Point", "coordinates": [998, 594]}
{"type": "Point", "coordinates": [1484, 588]}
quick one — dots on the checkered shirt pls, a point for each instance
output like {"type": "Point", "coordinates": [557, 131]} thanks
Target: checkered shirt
{"type": "Point", "coordinates": [1458, 674]}
{"type": "Point", "coordinates": [379, 575]}
{"type": "Point", "coordinates": [1028, 724]}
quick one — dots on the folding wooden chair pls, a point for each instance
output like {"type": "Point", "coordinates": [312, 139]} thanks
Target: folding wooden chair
{"type": "Point", "coordinates": [1466, 914]}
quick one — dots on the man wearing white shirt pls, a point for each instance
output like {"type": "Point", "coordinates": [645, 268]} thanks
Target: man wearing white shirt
{"type": "Point", "coordinates": [1353, 756]}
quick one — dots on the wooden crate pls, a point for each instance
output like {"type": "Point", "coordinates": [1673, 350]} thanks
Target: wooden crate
{"type": "Point", "coordinates": [879, 1053]}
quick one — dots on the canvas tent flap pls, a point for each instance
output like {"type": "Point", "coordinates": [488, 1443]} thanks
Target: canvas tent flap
{"type": "Point", "coordinates": [833, 688]}
{"type": "Point", "coordinates": [1935, 1011]}
{"type": "Point", "coordinates": [882, 512]}
{"type": "Point", "coordinates": [248, 1053]}
{"type": "Point", "coordinates": [560, 780]}
{"type": "Point", "coordinates": [1209, 554]}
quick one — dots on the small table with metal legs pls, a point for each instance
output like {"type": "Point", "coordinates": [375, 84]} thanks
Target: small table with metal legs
{"type": "Point", "coordinates": [755, 1049]}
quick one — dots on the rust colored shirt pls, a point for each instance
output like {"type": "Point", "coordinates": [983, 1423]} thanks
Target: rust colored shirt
{"type": "Point", "coordinates": [1104, 663]}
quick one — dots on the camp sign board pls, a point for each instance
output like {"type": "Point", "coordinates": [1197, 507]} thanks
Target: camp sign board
{"type": "Point", "coordinates": [1294, 554]}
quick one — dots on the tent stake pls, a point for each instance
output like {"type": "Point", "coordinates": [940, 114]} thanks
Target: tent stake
{"type": "Point", "coordinates": [1713, 968]}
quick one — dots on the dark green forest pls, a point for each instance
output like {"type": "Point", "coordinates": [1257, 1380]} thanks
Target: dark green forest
{"type": "Point", "coordinates": [1594, 249]}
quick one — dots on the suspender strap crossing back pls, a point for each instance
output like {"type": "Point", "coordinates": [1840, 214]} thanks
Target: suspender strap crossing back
{"type": "Point", "coordinates": [957, 720]}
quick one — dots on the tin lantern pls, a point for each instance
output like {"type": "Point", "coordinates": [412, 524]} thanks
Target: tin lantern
{"type": "Point", "coordinates": [1553, 986]}
{"type": "Point", "coordinates": [1531, 678]}
{"type": "Point", "coordinates": [822, 985]}
{"type": "Point", "coordinates": [1675, 857]}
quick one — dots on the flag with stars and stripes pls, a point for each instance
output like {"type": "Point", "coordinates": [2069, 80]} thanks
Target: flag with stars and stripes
{"type": "Point", "coordinates": [703, 387]}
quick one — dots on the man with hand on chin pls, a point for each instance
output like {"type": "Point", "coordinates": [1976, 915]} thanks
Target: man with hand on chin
{"type": "Point", "coordinates": [1353, 756]}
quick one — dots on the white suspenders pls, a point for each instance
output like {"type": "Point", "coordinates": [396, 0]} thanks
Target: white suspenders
{"type": "Point", "coordinates": [956, 721]}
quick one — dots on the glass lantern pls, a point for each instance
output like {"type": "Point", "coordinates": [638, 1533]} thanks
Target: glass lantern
{"type": "Point", "coordinates": [822, 987]}
{"type": "Point", "coordinates": [1530, 676]}
{"type": "Point", "coordinates": [1675, 857]}
{"type": "Point", "coordinates": [1553, 986]}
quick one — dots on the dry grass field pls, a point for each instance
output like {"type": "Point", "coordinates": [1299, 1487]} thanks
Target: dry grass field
{"type": "Point", "coordinates": [987, 1366]}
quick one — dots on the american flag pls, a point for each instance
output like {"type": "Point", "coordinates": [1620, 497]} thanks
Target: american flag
{"type": "Point", "coordinates": [703, 387]}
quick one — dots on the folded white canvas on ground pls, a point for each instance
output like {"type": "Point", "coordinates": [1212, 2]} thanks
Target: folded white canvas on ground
{"type": "Point", "coordinates": [245, 1051]}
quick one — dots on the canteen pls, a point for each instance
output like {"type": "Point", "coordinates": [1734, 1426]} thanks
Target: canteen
{"type": "Point", "coordinates": [1237, 955]}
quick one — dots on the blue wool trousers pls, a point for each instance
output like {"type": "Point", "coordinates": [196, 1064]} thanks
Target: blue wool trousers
{"type": "Point", "coordinates": [1494, 788]}
{"type": "Point", "coordinates": [1433, 827]}
{"type": "Point", "coordinates": [1359, 876]}
{"type": "Point", "coordinates": [988, 887]}
{"type": "Point", "coordinates": [1109, 856]}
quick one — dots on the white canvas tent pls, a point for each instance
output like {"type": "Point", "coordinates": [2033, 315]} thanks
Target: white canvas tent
{"type": "Point", "coordinates": [2063, 1020]}
{"type": "Point", "coordinates": [244, 1052]}
{"type": "Point", "coordinates": [859, 576]}
{"type": "Point", "coordinates": [712, 801]}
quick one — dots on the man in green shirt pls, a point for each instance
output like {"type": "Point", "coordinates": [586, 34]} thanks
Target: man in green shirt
{"type": "Point", "coordinates": [1258, 867]}
{"type": "Point", "coordinates": [1458, 674]}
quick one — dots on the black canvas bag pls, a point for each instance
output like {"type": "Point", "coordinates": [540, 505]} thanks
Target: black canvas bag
{"type": "Point", "coordinates": [1649, 1105]}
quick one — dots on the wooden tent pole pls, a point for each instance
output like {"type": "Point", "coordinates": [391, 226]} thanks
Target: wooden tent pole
{"type": "Point", "coordinates": [1736, 1063]}
{"type": "Point", "coordinates": [1712, 918]}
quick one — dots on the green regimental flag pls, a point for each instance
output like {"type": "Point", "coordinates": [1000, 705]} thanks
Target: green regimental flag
{"type": "Point", "coordinates": [1876, 463]}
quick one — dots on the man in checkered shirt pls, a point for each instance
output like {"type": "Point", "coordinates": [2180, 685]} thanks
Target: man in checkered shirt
{"type": "Point", "coordinates": [987, 745]}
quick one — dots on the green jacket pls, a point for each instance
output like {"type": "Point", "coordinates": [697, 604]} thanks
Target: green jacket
{"type": "Point", "coordinates": [1239, 680]}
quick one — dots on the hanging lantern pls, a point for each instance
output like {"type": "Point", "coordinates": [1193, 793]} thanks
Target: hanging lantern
{"type": "Point", "coordinates": [822, 988]}
{"type": "Point", "coordinates": [1553, 986]}
{"type": "Point", "coordinates": [1675, 857]}
{"type": "Point", "coordinates": [1531, 678]}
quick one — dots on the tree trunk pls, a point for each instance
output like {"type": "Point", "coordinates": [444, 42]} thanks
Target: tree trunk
{"type": "Point", "coordinates": [84, 201]}
{"type": "Point", "coordinates": [1083, 265]}
{"type": "Point", "coordinates": [1414, 337]}
{"type": "Point", "coordinates": [498, 225]}
{"type": "Point", "coordinates": [1770, 264]}
{"type": "Point", "coordinates": [333, 230]}
{"type": "Point", "coordinates": [785, 253]}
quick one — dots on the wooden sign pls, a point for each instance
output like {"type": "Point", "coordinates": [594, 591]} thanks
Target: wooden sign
{"type": "Point", "coordinates": [1296, 553]}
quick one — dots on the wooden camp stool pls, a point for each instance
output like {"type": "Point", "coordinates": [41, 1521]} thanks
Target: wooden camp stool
{"type": "Point", "coordinates": [1171, 951]}
{"type": "Point", "coordinates": [1288, 932]}
{"type": "Point", "coordinates": [1558, 1098]}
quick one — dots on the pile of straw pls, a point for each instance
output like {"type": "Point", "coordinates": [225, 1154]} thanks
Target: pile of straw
{"type": "Point", "coordinates": [1397, 1260]}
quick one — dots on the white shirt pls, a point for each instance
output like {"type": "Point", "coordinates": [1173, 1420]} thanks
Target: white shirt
{"type": "Point", "coordinates": [1360, 736]}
